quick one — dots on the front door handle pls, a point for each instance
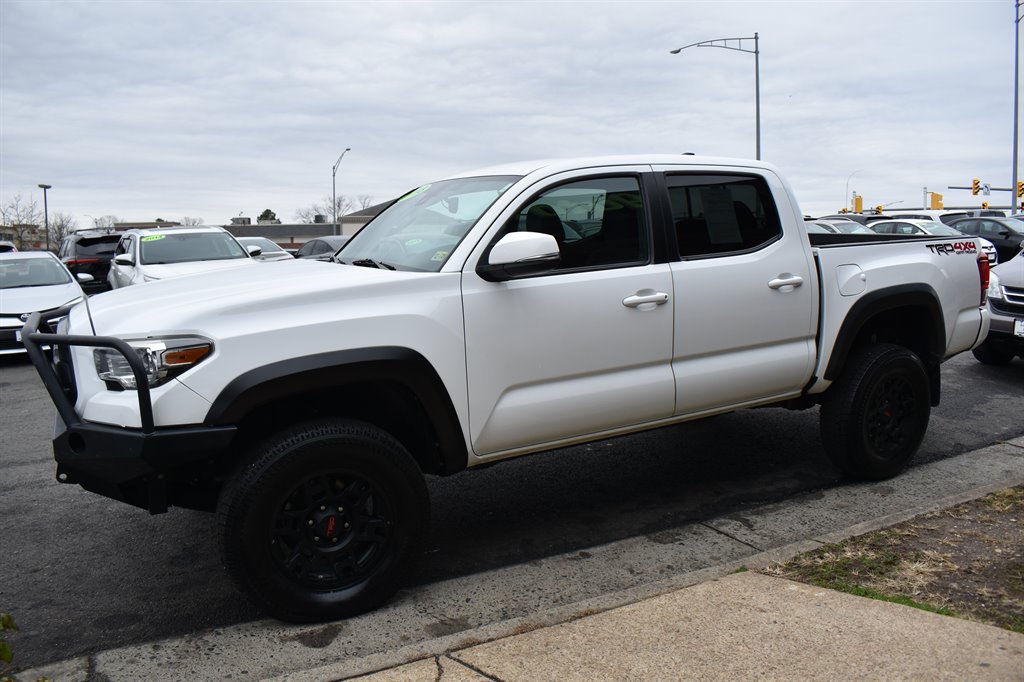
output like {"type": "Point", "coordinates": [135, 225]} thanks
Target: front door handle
{"type": "Point", "coordinates": [785, 280]}
{"type": "Point", "coordinates": [647, 298]}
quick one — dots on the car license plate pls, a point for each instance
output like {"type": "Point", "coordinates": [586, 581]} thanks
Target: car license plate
{"type": "Point", "coordinates": [1018, 327]}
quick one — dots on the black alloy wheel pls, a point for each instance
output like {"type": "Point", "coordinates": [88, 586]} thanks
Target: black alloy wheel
{"type": "Point", "coordinates": [324, 521]}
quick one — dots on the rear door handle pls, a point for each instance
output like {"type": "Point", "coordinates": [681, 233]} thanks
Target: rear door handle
{"type": "Point", "coordinates": [645, 296]}
{"type": "Point", "coordinates": [786, 279]}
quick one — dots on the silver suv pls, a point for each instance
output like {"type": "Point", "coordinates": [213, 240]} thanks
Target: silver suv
{"type": "Point", "coordinates": [1006, 307]}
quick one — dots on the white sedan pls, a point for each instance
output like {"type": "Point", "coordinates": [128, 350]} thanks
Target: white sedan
{"type": "Point", "coordinates": [32, 281]}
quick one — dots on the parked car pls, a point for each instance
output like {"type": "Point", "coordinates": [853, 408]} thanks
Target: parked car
{"type": "Point", "coordinates": [89, 251]}
{"type": "Point", "coordinates": [862, 218]}
{"type": "Point", "coordinates": [268, 250]}
{"type": "Point", "coordinates": [932, 228]}
{"type": "Point", "coordinates": [146, 255]}
{"type": "Point", "coordinates": [32, 281]}
{"type": "Point", "coordinates": [1007, 234]}
{"type": "Point", "coordinates": [939, 216]}
{"type": "Point", "coordinates": [847, 226]}
{"type": "Point", "coordinates": [6, 247]}
{"type": "Point", "coordinates": [322, 248]}
{"type": "Point", "coordinates": [1006, 311]}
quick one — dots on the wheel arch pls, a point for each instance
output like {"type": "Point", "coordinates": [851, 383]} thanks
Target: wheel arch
{"type": "Point", "coordinates": [392, 387]}
{"type": "Point", "coordinates": [907, 315]}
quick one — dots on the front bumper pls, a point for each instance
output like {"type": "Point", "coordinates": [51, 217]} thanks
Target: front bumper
{"type": "Point", "coordinates": [148, 467]}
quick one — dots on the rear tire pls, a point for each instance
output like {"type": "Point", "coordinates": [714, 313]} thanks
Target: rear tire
{"type": "Point", "coordinates": [324, 521]}
{"type": "Point", "coordinates": [987, 355]}
{"type": "Point", "coordinates": [874, 417]}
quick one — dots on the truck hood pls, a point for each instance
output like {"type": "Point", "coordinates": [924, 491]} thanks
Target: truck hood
{"type": "Point", "coordinates": [220, 299]}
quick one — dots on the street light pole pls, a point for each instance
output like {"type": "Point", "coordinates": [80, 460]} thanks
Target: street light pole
{"type": "Point", "coordinates": [846, 201]}
{"type": "Point", "coordinates": [334, 196]}
{"type": "Point", "coordinates": [46, 214]}
{"type": "Point", "coordinates": [1016, 97]}
{"type": "Point", "coordinates": [757, 72]}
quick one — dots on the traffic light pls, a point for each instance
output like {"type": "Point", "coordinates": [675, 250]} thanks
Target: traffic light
{"type": "Point", "coordinates": [858, 204]}
{"type": "Point", "coordinates": [975, 186]}
{"type": "Point", "coordinates": [1020, 189]}
{"type": "Point", "coordinates": [878, 210]}
{"type": "Point", "coordinates": [984, 204]}
{"type": "Point", "coordinates": [936, 201]}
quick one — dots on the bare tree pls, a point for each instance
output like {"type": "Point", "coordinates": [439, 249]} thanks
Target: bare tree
{"type": "Point", "coordinates": [188, 220]}
{"type": "Point", "coordinates": [308, 215]}
{"type": "Point", "coordinates": [61, 225]}
{"type": "Point", "coordinates": [365, 201]}
{"type": "Point", "coordinates": [22, 219]}
{"type": "Point", "coordinates": [106, 221]}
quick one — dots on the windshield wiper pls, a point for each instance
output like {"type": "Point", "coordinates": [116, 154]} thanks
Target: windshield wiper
{"type": "Point", "coordinates": [370, 263]}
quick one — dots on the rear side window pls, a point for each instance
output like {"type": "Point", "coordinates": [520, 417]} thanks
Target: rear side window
{"type": "Point", "coordinates": [716, 215]}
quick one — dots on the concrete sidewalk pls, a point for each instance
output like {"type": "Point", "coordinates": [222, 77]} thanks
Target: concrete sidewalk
{"type": "Point", "coordinates": [742, 626]}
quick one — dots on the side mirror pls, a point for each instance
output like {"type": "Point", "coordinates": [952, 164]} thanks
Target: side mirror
{"type": "Point", "coordinates": [520, 254]}
{"type": "Point", "coordinates": [254, 250]}
{"type": "Point", "coordinates": [124, 259]}
{"type": "Point", "coordinates": [84, 277]}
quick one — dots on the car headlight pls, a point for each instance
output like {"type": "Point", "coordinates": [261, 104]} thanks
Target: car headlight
{"type": "Point", "coordinates": [163, 359]}
{"type": "Point", "coordinates": [994, 290]}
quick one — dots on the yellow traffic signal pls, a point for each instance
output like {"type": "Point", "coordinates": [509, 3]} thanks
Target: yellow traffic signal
{"type": "Point", "coordinates": [1020, 189]}
{"type": "Point", "coordinates": [936, 201]}
{"type": "Point", "coordinates": [878, 210]}
{"type": "Point", "coordinates": [975, 186]}
{"type": "Point", "coordinates": [984, 204]}
{"type": "Point", "coordinates": [858, 204]}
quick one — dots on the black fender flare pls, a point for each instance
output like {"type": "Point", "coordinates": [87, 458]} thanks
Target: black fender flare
{"type": "Point", "coordinates": [279, 380]}
{"type": "Point", "coordinates": [914, 295]}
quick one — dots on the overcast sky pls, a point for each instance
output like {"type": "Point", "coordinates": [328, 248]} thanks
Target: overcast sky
{"type": "Point", "coordinates": [151, 110]}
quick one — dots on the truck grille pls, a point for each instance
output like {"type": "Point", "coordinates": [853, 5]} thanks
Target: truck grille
{"type": "Point", "coordinates": [1012, 301]}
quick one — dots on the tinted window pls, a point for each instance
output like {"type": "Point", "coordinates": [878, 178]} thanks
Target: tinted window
{"type": "Point", "coordinates": [596, 222]}
{"type": "Point", "coordinates": [721, 214]}
{"type": "Point", "coordinates": [96, 246]}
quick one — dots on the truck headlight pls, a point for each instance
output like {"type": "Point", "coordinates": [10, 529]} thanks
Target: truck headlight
{"type": "Point", "coordinates": [163, 359]}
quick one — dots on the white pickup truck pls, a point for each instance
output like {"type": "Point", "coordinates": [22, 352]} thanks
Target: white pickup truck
{"type": "Point", "coordinates": [489, 315]}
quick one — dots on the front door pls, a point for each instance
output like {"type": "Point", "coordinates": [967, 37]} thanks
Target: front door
{"type": "Point", "coordinates": [585, 348]}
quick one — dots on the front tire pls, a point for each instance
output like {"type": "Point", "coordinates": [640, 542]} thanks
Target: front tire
{"type": "Point", "coordinates": [324, 521]}
{"type": "Point", "coordinates": [874, 417]}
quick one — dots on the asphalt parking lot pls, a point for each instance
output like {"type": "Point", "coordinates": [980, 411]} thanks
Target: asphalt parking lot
{"type": "Point", "coordinates": [82, 573]}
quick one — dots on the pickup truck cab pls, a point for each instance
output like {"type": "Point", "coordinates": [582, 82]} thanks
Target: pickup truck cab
{"type": "Point", "coordinates": [485, 316]}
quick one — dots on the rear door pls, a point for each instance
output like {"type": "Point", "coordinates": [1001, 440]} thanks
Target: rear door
{"type": "Point", "coordinates": [745, 291]}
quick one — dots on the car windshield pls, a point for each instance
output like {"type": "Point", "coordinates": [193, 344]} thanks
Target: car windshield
{"type": "Point", "coordinates": [850, 227]}
{"type": "Point", "coordinates": [421, 229]}
{"type": "Point", "coordinates": [1014, 224]}
{"type": "Point", "coordinates": [941, 230]}
{"type": "Point", "coordinates": [264, 244]}
{"type": "Point", "coordinates": [31, 272]}
{"type": "Point", "coordinates": [160, 249]}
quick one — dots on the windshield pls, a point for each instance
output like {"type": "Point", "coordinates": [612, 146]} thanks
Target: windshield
{"type": "Point", "coordinates": [941, 230]}
{"type": "Point", "coordinates": [261, 242]}
{"type": "Point", "coordinates": [31, 272]}
{"type": "Point", "coordinates": [160, 249]}
{"type": "Point", "coordinates": [421, 229]}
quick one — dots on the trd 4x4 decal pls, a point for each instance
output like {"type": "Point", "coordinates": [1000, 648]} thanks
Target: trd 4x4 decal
{"type": "Point", "coordinates": [955, 247]}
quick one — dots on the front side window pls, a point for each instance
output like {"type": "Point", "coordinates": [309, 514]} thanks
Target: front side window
{"type": "Point", "coordinates": [596, 222]}
{"type": "Point", "coordinates": [420, 230]}
{"type": "Point", "coordinates": [721, 214]}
